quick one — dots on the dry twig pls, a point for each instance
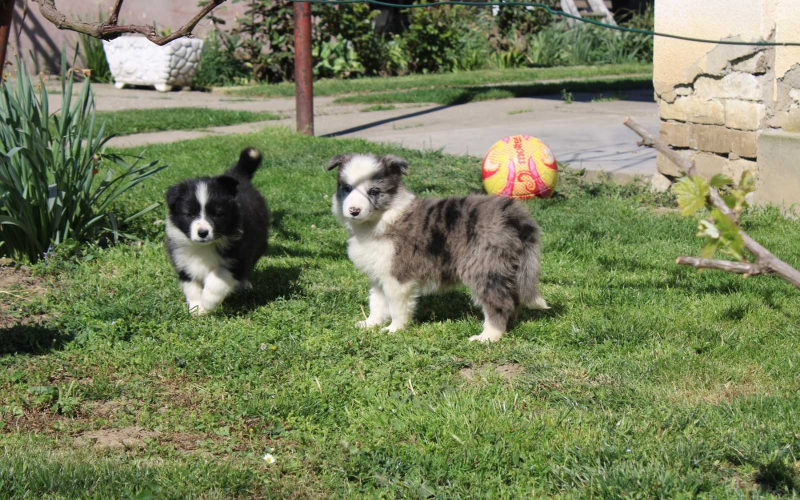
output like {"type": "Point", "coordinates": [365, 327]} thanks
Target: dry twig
{"type": "Point", "coordinates": [110, 29]}
{"type": "Point", "coordinates": [766, 262]}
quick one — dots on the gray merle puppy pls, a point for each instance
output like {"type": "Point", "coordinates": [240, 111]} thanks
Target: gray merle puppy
{"type": "Point", "coordinates": [411, 246]}
{"type": "Point", "coordinates": [216, 231]}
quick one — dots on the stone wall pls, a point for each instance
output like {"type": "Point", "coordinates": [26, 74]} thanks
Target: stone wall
{"type": "Point", "coordinates": [716, 101]}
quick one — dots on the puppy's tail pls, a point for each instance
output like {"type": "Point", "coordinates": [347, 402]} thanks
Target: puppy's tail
{"type": "Point", "coordinates": [249, 161]}
{"type": "Point", "coordinates": [528, 275]}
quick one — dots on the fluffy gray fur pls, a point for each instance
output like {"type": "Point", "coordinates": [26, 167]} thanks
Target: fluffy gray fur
{"type": "Point", "coordinates": [410, 246]}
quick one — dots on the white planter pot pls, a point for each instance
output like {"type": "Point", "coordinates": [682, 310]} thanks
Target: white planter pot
{"type": "Point", "coordinates": [135, 60]}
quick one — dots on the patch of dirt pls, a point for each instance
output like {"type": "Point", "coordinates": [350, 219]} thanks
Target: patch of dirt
{"type": "Point", "coordinates": [184, 441]}
{"type": "Point", "coordinates": [106, 408]}
{"type": "Point", "coordinates": [728, 392]}
{"type": "Point", "coordinates": [124, 438]}
{"type": "Point", "coordinates": [508, 371]}
{"type": "Point", "coordinates": [17, 286]}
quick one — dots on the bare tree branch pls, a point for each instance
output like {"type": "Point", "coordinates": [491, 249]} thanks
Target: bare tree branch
{"type": "Point", "coordinates": [109, 29]}
{"type": "Point", "coordinates": [114, 17]}
{"type": "Point", "coordinates": [766, 262]}
{"type": "Point", "coordinates": [746, 268]}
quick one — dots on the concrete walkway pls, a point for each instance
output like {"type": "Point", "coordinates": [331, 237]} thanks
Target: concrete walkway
{"type": "Point", "coordinates": [584, 134]}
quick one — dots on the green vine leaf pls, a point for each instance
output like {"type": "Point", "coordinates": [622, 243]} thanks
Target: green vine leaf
{"type": "Point", "coordinates": [720, 181]}
{"type": "Point", "coordinates": [729, 236]}
{"type": "Point", "coordinates": [692, 193]}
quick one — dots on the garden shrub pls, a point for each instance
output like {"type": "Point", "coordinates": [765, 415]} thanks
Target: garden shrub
{"type": "Point", "coordinates": [218, 62]}
{"type": "Point", "coordinates": [353, 28]}
{"type": "Point", "coordinates": [265, 40]}
{"type": "Point", "coordinates": [432, 38]}
{"type": "Point", "coordinates": [56, 182]}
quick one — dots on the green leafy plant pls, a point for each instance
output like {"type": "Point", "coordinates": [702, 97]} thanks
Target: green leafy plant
{"type": "Point", "coordinates": [56, 181]}
{"type": "Point", "coordinates": [264, 40]}
{"type": "Point", "coordinates": [353, 26]}
{"type": "Point", "coordinates": [546, 48]}
{"type": "Point", "coordinates": [566, 96]}
{"type": "Point", "coordinates": [219, 64]}
{"type": "Point", "coordinates": [720, 231]}
{"type": "Point", "coordinates": [432, 38]}
{"type": "Point", "coordinates": [61, 400]}
{"type": "Point", "coordinates": [336, 60]}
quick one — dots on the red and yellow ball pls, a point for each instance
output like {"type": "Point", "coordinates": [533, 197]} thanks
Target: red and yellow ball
{"type": "Point", "coordinates": [520, 166]}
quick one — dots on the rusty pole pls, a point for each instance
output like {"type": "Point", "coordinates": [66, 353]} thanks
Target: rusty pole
{"type": "Point", "coordinates": [303, 72]}
{"type": "Point", "coordinates": [6, 15]}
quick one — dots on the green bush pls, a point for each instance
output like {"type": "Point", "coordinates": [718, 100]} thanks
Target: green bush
{"type": "Point", "coordinates": [351, 29]}
{"type": "Point", "coordinates": [218, 62]}
{"type": "Point", "coordinates": [432, 38]}
{"type": "Point", "coordinates": [56, 183]}
{"type": "Point", "coordinates": [336, 60]}
{"type": "Point", "coordinates": [435, 39]}
{"type": "Point", "coordinates": [265, 40]}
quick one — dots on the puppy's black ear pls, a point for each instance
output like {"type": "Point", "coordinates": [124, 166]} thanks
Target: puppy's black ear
{"type": "Point", "coordinates": [339, 160]}
{"type": "Point", "coordinates": [395, 164]}
{"type": "Point", "coordinates": [228, 184]}
{"type": "Point", "coordinates": [174, 194]}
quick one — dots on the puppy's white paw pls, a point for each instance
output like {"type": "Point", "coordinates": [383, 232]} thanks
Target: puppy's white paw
{"type": "Point", "coordinates": [486, 337]}
{"type": "Point", "coordinates": [195, 309]}
{"type": "Point", "coordinates": [367, 323]}
{"type": "Point", "coordinates": [394, 327]}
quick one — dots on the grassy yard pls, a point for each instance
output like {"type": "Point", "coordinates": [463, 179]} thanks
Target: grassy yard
{"type": "Point", "coordinates": [137, 121]}
{"type": "Point", "coordinates": [463, 95]}
{"type": "Point", "coordinates": [645, 380]}
{"type": "Point", "coordinates": [445, 80]}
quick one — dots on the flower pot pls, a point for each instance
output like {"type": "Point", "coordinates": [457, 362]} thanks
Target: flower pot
{"type": "Point", "coordinates": [135, 60]}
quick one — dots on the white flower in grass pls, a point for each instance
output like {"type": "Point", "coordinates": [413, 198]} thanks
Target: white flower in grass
{"type": "Point", "coordinates": [269, 459]}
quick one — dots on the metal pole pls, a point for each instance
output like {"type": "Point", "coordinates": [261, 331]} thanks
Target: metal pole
{"type": "Point", "coordinates": [303, 72]}
{"type": "Point", "coordinates": [6, 15]}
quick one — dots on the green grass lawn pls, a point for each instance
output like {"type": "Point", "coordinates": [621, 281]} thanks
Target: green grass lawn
{"type": "Point", "coordinates": [443, 80]}
{"type": "Point", "coordinates": [137, 121]}
{"type": "Point", "coordinates": [463, 95]}
{"type": "Point", "coordinates": [645, 380]}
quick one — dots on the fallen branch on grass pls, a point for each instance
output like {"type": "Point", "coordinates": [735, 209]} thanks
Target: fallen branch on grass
{"type": "Point", "coordinates": [110, 29]}
{"type": "Point", "coordinates": [766, 262]}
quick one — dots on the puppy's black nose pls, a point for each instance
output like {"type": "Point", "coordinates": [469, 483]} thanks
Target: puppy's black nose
{"type": "Point", "coordinates": [202, 233]}
{"type": "Point", "coordinates": [355, 211]}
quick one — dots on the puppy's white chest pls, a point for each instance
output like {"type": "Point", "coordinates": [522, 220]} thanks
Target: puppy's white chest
{"type": "Point", "coordinates": [198, 261]}
{"type": "Point", "coordinates": [372, 256]}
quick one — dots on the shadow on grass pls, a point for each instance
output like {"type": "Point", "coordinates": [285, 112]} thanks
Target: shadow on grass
{"type": "Point", "coordinates": [269, 285]}
{"type": "Point", "coordinates": [777, 477]}
{"type": "Point", "coordinates": [276, 226]}
{"type": "Point", "coordinates": [31, 339]}
{"type": "Point", "coordinates": [456, 305]}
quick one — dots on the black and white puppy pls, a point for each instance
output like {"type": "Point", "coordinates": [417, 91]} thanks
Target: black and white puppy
{"type": "Point", "coordinates": [411, 246]}
{"type": "Point", "coordinates": [216, 231]}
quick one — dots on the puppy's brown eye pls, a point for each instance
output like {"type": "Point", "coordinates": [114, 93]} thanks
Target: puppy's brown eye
{"type": "Point", "coordinates": [374, 192]}
{"type": "Point", "coordinates": [347, 188]}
